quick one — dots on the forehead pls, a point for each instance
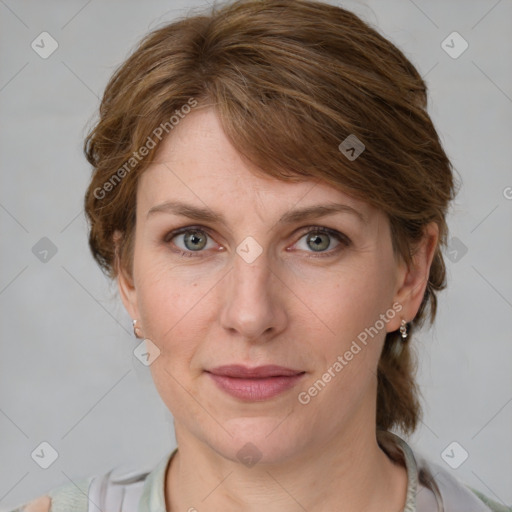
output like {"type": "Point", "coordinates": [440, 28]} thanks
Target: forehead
{"type": "Point", "coordinates": [197, 163]}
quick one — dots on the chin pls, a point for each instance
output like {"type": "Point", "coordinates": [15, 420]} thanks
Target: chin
{"type": "Point", "coordinates": [259, 440]}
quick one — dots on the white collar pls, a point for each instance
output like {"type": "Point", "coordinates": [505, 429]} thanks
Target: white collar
{"type": "Point", "coordinates": [430, 487]}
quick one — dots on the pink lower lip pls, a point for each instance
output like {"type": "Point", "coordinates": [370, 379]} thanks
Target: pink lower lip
{"type": "Point", "coordinates": [255, 389]}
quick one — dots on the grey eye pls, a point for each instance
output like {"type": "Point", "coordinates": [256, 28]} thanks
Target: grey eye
{"type": "Point", "coordinates": [195, 240]}
{"type": "Point", "coordinates": [318, 241]}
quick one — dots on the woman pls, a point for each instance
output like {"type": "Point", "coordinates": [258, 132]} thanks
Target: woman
{"type": "Point", "coordinates": [270, 194]}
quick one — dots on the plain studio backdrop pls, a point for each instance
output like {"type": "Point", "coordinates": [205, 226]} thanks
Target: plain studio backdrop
{"type": "Point", "coordinates": [68, 374]}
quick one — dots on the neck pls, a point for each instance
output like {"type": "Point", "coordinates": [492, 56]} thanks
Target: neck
{"type": "Point", "coordinates": [349, 473]}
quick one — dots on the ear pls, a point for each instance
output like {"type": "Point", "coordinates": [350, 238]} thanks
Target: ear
{"type": "Point", "coordinates": [412, 278]}
{"type": "Point", "coordinates": [125, 283]}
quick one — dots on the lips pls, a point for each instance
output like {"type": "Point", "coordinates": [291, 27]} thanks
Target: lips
{"type": "Point", "coordinates": [254, 384]}
{"type": "Point", "coordinates": [239, 371]}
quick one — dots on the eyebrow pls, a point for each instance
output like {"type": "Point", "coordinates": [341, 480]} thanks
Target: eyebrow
{"type": "Point", "coordinates": [294, 216]}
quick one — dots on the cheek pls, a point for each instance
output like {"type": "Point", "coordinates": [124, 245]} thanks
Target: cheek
{"type": "Point", "coordinates": [169, 302]}
{"type": "Point", "coordinates": [355, 311]}
{"type": "Point", "coordinates": [353, 298]}
{"type": "Point", "coordinates": [174, 309]}
{"type": "Point", "coordinates": [346, 355]}
{"type": "Point", "coordinates": [173, 305]}
{"type": "Point", "coordinates": [166, 291]}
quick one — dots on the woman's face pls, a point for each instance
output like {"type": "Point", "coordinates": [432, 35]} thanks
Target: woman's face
{"type": "Point", "coordinates": [229, 269]}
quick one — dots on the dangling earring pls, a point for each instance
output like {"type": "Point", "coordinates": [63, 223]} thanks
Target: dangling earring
{"type": "Point", "coordinates": [403, 330]}
{"type": "Point", "coordinates": [136, 330]}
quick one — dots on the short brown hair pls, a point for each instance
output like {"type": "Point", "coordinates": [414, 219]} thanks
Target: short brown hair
{"type": "Point", "coordinates": [289, 80]}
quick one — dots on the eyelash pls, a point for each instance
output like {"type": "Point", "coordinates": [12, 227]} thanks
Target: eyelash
{"type": "Point", "coordinates": [343, 239]}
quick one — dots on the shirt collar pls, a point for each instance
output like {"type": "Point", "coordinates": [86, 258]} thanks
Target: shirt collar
{"type": "Point", "coordinates": [153, 493]}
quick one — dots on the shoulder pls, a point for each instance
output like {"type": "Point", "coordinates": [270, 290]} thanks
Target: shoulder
{"type": "Point", "coordinates": [70, 497]}
{"type": "Point", "coordinates": [454, 492]}
{"type": "Point", "coordinates": [435, 485]}
{"type": "Point", "coordinates": [41, 504]}
{"type": "Point", "coordinates": [493, 505]}
{"type": "Point", "coordinates": [121, 488]}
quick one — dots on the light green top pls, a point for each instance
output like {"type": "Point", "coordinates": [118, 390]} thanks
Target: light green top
{"type": "Point", "coordinates": [421, 494]}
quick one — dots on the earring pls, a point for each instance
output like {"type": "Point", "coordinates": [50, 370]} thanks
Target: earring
{"type": "Point", "coordinates": [136, 330]}
{"type": "Point", "coordinates": [403, 330]}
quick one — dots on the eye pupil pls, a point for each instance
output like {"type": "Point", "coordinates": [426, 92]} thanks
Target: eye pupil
{"type": "Point", "coordinates": [318, 243]}
{"type": "Point", "coordinates": [194, 237]}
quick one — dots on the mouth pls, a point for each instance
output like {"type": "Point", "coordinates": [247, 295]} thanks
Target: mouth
{"type": "Point", "coordinates": [255, 384]}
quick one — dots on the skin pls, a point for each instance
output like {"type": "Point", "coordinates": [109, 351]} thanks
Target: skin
{"type": "Point", "coordinates": [287, 307]}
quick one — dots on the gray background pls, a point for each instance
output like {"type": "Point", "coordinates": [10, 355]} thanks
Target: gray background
{"type": "Point", "coordinates": [67, 374]}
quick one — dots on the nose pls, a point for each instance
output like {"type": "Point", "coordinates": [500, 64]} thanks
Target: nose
{"type": "Point", "coordinates": [253, 301]}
